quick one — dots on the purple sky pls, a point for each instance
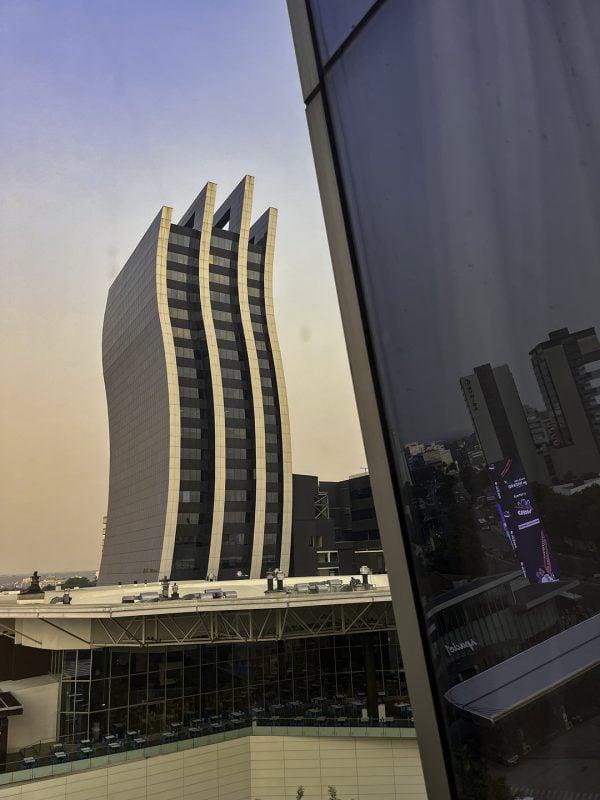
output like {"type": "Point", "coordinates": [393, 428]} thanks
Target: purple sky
{"type": "Point", "coordinates": [111, 110]}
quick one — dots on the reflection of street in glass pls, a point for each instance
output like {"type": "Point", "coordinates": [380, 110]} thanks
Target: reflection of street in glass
{"type": "Point", "coordinates": [570, 762]}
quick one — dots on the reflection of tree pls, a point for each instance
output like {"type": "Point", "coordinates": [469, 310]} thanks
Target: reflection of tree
{"type": "Point", "coordinates": [572, 522]}
{"type": "Point", "coordinates": [476, 783]}
{"type": "Point", "coordinates": [443, 510]}
{"type": "Point", "coordinates": [476, 483]}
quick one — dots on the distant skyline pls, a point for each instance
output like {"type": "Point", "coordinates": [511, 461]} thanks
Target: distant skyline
{"type": "Point", "coordinates": [112, 110]}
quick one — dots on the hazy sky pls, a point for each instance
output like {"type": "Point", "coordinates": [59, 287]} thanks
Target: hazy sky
{"type": "Point", "coordinates": [112, 109]}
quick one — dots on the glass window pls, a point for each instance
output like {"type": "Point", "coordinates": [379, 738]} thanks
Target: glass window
{"type": "Point", "coordinates": [222, 242]}
{"type": "Point", "coordinates": [224, 316]}
{"type": "Point", "coordinates": [180, 258]}
{"type": "Point", "coordinates": [229, 354]}
{"type": "Point", "coordinates": [234, 374]}
{"type": "Point", "coordinates": [216, 277]}
{"type": "Point", "coordinates": [236, 433]}
{"type": "Point", "coordinates": [334, 21]}
{"type": "Point", "coordinates": [192, 412]}
{"type": "Point", "coordinates": [235, 413]}
{"type": "Point", "coordinates": [179, 238]}
{"type": "Point", "coordinates": [475, 284]}
{"type": "Point", "coordinates": [223, 333]}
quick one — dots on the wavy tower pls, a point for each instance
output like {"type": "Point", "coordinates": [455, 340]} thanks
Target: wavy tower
{"type": "Point", "coordinates": [200, 456]}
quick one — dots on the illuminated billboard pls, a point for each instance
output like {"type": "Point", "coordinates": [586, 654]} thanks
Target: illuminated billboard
{"type": "Point", "coordinates": [521, 520]}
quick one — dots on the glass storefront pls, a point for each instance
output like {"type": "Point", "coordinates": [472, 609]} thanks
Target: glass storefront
{"type": "Point", "coordinates": [147, 689]}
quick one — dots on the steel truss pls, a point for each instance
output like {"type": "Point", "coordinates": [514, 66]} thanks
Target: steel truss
{"type": "Point", "coordinates": [258, 625]}
{"type": "Point", "coordinates": [321, 505]}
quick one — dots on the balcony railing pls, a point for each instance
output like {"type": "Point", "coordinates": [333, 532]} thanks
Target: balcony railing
{"type": "Point", "coordinates": [80, 757]}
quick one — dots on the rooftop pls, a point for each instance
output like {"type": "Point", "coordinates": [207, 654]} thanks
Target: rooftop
{"type": "Point", "coordinates": [194, 596]}
{"type": "Point", "coordinates": [220, 611]}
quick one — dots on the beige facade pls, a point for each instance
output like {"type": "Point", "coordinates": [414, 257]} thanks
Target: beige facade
{"type": "Point", "coordinates": [266, 225]}
{"type": "Point", "coordinates": [39, 697]}
{"type": "Point", "coordinates": [248, 768]}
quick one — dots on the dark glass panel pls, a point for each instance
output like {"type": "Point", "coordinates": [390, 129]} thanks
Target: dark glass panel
{"type": "Point", "coordinates": [334, 20]}
{"type": "Point", "coordinates": [474, 207]}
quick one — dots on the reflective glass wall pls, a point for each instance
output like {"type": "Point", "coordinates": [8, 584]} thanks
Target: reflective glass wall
{"type": "Point", "coordinates": [456, 147]}
{"type": "Point", "coordinates": [115, 690]}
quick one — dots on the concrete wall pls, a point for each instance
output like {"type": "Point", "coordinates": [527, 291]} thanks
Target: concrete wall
{"type": "Point", "coordinates": [363, 769]}
{"type": "Point", "coordinates": [249, 768]}
{"type": "Point", "coordinates": [39, 698]}
{"type": "Point", "coordinates": [71, 634]}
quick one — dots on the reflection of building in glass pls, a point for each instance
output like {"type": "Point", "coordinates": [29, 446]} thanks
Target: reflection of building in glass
{"type": "Point", "coordinates": [334, 527]}
{"type": "Point", "coordinates": [556, 444]}
{"type": "Point", "coordinates": [200, 470]}
{"type": "Point", "coordinates": [475, 455]}
{"type": "Point", "coordinates": [438, 257]}
{"type": "Point", "coordinates": [499, 419]}
{"type": "Point", "coordinates": [543, 691]}
{"type": "Point", "coordinates": [567, 369]}
{"type": "Point", "coordinates": [485, 621]}
{"type": "Point", "coordinates": [538, 422]}
{"type": "Point", "coordinates": [434, 454]}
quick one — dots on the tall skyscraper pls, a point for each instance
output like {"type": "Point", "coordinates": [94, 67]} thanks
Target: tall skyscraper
{"type": "Point", "coordinates": [567, 369]}
{"type": "Point", "coordinates": [200, 456]}
{"type": "Point", "coordinates": [499, 419]}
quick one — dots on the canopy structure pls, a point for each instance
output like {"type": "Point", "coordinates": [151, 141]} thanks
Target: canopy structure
{"type": "Point", "coordinates": [9, 705]}
{"type": "Point", "coordinates": [201, 612]}
{"type": "Point", "coordinates": [518, 681]}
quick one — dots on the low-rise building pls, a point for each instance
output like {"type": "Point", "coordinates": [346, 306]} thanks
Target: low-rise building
{"type": "Point", "coordinates": [130, 684]}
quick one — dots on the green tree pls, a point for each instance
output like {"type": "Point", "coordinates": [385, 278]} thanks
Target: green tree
{"type": "Point", "coordinates": [569, 517]}
{"type": "Point", "coordinates": [78, 580]}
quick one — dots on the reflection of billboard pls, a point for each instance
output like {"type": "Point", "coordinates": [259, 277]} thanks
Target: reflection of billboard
{"type": "Point", "coordinates": [522, 522]}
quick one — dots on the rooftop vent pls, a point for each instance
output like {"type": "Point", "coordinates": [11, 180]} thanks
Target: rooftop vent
{"type": "Point", "coordinates": [149, 597]}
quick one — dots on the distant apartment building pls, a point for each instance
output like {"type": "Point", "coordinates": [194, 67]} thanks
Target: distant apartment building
{"type": "Point", "coordinates": [560, 442]}
{"type": "Point", "coordinates": [414, 448]}
{"type": "Point", "coordinates": [499, 419]}
{"type": "Point", "coordinates": [539, 427]}
{"type": "Point", "coordinates": [433, 454]}
{"type": "Point", "coordinates": [334, 527]}
{"type": "Point", "coordinates": [567, 369]}
{"type": "Point", "coordinates": [200, 459]}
